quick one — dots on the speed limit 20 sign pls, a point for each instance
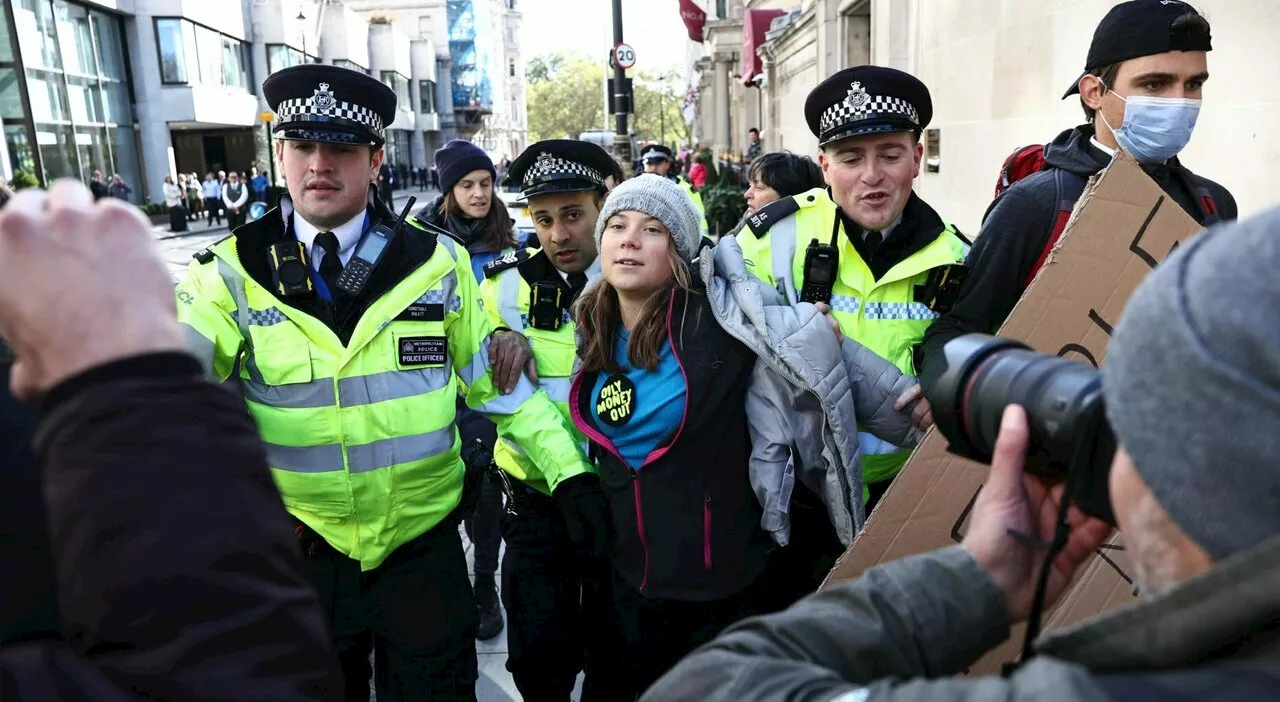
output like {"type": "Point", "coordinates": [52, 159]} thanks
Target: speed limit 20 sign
{"type": "Point", "coordinates": [624, 56]}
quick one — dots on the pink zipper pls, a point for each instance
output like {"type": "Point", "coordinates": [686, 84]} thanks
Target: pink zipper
{"type": "Point", "coordinates": [635, 489]}
{"type": "Point", "coordinates": [706, 533]}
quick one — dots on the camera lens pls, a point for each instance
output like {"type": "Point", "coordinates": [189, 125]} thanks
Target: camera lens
{"type": "Point", "coordinates": [1063, 401]}
{"type": "Point", "coordinates": [1052, 390]}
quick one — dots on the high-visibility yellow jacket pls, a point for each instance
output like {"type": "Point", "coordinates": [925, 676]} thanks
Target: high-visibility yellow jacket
{"type": "Point", "coordinates": [506, 295]}
{"type": "Point", "coordinates": [696, 198]}
{"type": "Point", "coordinates": [360, 436]}
{"type": "Point", "coordinates": [884, 314]}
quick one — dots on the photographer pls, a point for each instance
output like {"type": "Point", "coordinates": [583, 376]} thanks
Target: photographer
{"type": "Point", "coordinates": [177, 571]}
{"type": "Point", "coordinates": [1193, 397]}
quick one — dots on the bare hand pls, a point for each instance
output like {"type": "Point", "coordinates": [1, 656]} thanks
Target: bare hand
{"type": "Point", "coordinates": [509, 356]}
{"type": "Point", "coordinates": [82, 286]}
{"type": "Point", "coordinates": [922, 413]}
{"type": "Point", "coordinates": [825, 309]}
{"type": "Point", "coordinates": [1017, 502]}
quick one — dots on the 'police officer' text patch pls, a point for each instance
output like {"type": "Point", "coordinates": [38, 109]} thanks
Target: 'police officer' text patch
{"type": "Point", "coordinates": [422, 350]}
{"type": "Point", "coordinates": [617, 400]}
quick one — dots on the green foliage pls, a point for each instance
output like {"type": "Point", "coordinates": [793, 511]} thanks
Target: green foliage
{"type": "Point", "coordinates": [722, 198]}
{"type": "Point", "coordinates": [566, 97]}
{"type": "Point", "coordinates": [154, 208]}
{"type": "Point", "coordinates": [24, 179]}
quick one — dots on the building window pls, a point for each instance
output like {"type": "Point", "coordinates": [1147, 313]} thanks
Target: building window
{"type": "Point", "coordinates": [427, 96]}
{"type": "Point", "coordinates": [173, 68]}
{"type": "Point", "coordinates": [283, 56]}
{"type": "Point", "coordinates": [400, 85]}
{"type": "Point", "coordinates": [343, 63]}
{"type": "Point", "coordinates": [511, 68]}
{"type": "Point", "coordinates": [77, 89]}
{"type": "Point", "coordinates": [192, 54]}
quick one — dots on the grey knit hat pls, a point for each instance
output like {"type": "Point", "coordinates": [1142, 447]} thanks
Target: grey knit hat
{"type": "Point", "coordinates": [1192, 384]}
{"type": "Point", "coordinates": [657, 197]}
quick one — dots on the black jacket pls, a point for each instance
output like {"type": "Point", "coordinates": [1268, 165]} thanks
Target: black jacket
{"type": "Point", "coordinates": [1019, 225]}
{"type": "Point", "coordinates": [178, 571]}
{"type": "Point", "coordinates": [686, 525]}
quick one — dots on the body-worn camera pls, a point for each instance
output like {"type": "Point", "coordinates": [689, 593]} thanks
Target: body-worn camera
{"type": "Point", "coordinates": [1070, 437]}
{"type": "Point", "coordinates": [545, 305]}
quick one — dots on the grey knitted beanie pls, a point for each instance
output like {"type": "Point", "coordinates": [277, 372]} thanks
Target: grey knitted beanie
{"type": "Point", "coordinates": [657, 197]}
{"type": "Point", "coordinates": [1192, 384]}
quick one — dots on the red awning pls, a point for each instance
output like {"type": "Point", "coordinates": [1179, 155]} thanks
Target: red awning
{"type": "Point", "coordinates": [754, 26]}
{"type": "Point", "coordinates": [694, 19]}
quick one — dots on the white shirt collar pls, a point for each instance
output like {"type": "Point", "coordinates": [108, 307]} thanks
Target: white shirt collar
{"type": "Point", "coordinates": [1102, 147]}
{"type": "Point", "coordinates": [884, 233]}
{"type": "Point", "coordinates": [348, 236]}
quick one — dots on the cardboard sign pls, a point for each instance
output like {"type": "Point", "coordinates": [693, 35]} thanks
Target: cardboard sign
{"type": "Point", "coordinates": [1122, 226]}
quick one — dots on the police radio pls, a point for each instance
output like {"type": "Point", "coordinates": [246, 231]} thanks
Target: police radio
{"type": "Point", "coordinates": [289, 269]}
{"type": "Point", "coordinates": [821, 266]}
{"type": "Point", "coordinates": [545, 308]}
{"type": "Point", "coordinates": [373, 246]}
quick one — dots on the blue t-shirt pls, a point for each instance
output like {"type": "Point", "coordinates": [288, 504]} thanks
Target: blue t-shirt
{"type": "Point", "coordinates": [639, 410]}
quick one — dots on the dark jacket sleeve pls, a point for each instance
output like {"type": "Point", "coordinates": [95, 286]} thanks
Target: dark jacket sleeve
{"type": "Point", "coordinates": [1222, 198]}
{"type": "Point", "coordinates": [926, 616]}
{"type": "Point", "coordinates": [1007, 247]}
{"type": "Point", "coordinates": [177, 566]}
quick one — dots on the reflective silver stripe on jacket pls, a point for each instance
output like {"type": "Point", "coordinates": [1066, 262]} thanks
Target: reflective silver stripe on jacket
{"type": "Point", "coordinates": [782, 250]}
{"type": "Point", "coordinates": [235, 285]}
{"type": "Point", "coordinates": [899, 310]}
{"type": "Point", "coordinates": [391, 385]}
{"type": "Point", "coordinates": [448, 291]}
{"type": "Point", "coordinates": [317, 393]}
{"type": "Point", "coordinates": [477, 366]}
{"type": "Point", "coordinates": [385, 453]}
{"type": "Point", "coordinates": [556, 388]}
{"type": "Point", "coordinates": [201, 347]}
{"type": "Point", "coordinates": [326, 458]}
{"type": "Point", "coordinates": [508, 404]}
{"type": "Point", "coordinates": [872, 444]}
{"type": "Point", "coordinates": [509, 301]}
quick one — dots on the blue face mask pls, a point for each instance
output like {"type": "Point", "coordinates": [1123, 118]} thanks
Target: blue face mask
{"type": "Point", "coordinates": [1155, 129]}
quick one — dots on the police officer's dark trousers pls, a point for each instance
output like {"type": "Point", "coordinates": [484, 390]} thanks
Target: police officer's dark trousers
{"type": "Point", "coordinates": [414, 612]}
{"type": "Point", "coordinates": [560, 611]}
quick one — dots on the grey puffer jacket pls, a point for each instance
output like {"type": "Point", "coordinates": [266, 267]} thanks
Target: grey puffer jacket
{"type": "Point", "coordinates": [808, 396]}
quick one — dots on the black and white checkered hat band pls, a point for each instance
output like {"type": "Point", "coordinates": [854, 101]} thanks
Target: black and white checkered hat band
{"type": "Point", "coordinates": [548, 167]}
{"type": "Point", "coordinates": [301, 110]}
{"type": "Point", "coordinates": [842, 114]}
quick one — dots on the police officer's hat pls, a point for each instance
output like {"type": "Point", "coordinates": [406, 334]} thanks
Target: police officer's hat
{"type": "Point", "coordinates": [656, 152]}
{"type": "Point", "coordinates": [315, 102]}
{"type": "Point", "coordinates": [561, 166]}
{"type": "Point", "coordinates": [867, 100]}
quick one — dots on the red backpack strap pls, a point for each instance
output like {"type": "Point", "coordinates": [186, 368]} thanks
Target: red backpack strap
{"type": "Point", "coordinates": [1068, 188]}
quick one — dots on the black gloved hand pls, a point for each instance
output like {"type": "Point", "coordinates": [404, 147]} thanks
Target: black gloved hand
{"type": "Point", "coordinates": [586, 513]}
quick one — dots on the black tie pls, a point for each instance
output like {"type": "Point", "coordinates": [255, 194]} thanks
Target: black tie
{"type": "Point", "coordinates": [577, 281]}
{"type": "Point", "coordinates": [872, 243]}
{"type": "Point", "coordinates": [331, 264]}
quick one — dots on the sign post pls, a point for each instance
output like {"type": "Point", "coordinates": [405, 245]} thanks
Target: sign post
{"type": "Point", "coordinates": [621, 137]}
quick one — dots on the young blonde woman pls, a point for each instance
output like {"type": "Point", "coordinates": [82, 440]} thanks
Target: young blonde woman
{"type": "Point", "coordinates": [691, 391]}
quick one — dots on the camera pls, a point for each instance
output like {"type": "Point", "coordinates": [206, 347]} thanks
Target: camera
{"type": "Point", "coordinates": [1070, 439]}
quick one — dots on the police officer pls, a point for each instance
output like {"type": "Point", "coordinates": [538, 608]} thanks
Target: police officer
{"type": "Point", "coordinates": [558, 613]}
{"type": "Point", "coordinates": [866, 245]}
{"type": "Point", "coordinates": [657, 158]}
{"type": "Point", "coordinates": [350, 337]}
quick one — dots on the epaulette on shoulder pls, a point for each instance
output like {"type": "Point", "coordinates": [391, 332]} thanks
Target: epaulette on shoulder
{"type": "Point", "coordinates": [419, 223]}
{"type": "Point", "coordinates": [509, 260]}
{"type": "Point", "coordinates": [205, 255]}
{"type": "Point", "coordinates": [774, 212]}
